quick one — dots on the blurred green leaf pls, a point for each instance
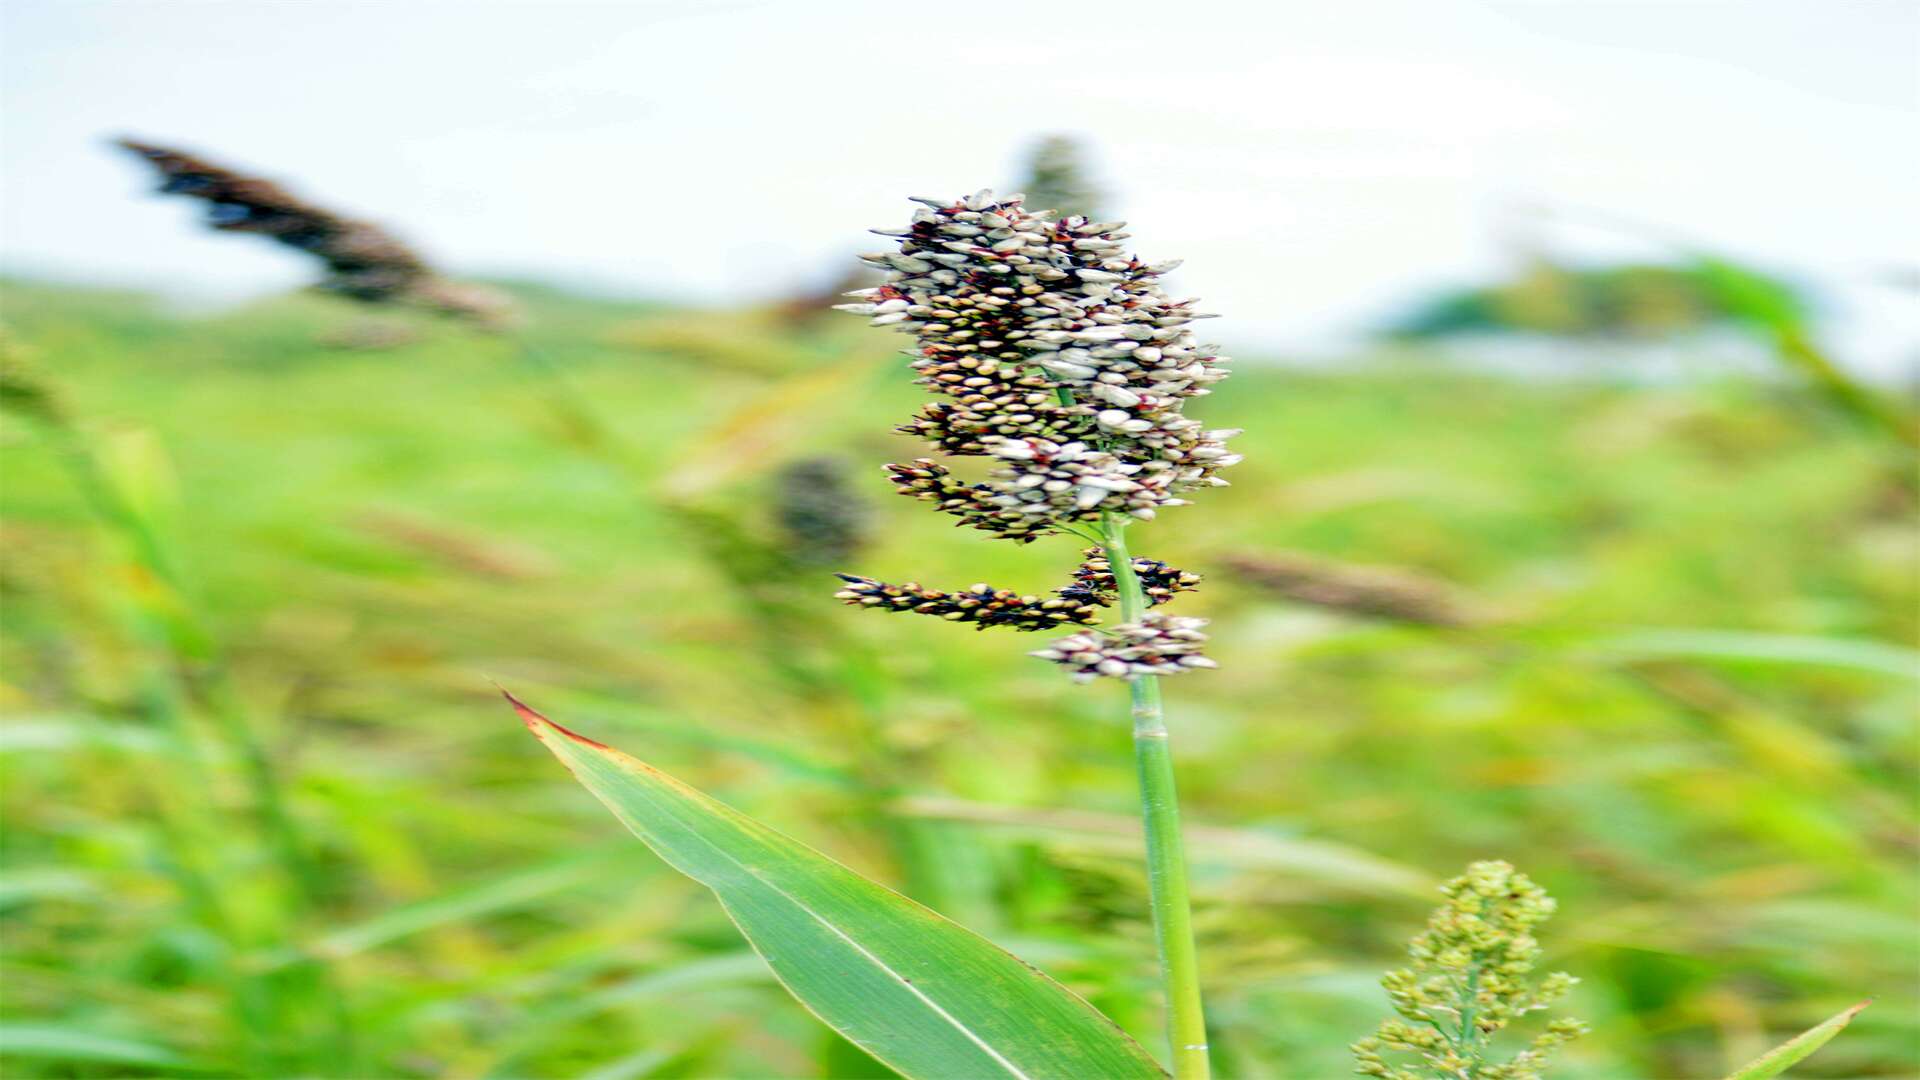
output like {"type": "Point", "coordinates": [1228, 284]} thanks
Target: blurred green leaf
{"type": "Point", "coordinates": [916, 991]}
{"type": "Point", "coordinates": [504, 892]}
{"type": "Point", "coordinates": [1874, 656]}
{"type": "Point", "coordinates": [1799, 1048]}
{"type": "Point", "coordinates": [42, 883]}
{"type": "Point", "coordinates": [73, 1044]}
{"type": "Point", "coordinates": [639, 1063]}
{"type": "Point", "coordinates": [1335, 864]}
{"type": "Point", "coordinates": [58, 733]}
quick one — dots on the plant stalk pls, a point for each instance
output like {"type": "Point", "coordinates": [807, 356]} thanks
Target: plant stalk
{"type": "Point", "coordinates": [1166, 853]}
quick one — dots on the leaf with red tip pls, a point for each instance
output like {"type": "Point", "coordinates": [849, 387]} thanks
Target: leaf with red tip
{"type": "Point", "coordinates": [926, 996]}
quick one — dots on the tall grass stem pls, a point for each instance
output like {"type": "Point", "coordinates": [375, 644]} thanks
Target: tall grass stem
{"type": "Point", "coordinates": [1166, 852]}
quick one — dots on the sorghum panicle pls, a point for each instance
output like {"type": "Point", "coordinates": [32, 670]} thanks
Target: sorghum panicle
{"type": "Point", "coordinates": [1010, 309]}
{"type": "Point", "coordinates": [1058, 357]}
{"type": "Point", "coordinates": [364, 262]}
{"type": "Point", "coordinates": [1470, 979]}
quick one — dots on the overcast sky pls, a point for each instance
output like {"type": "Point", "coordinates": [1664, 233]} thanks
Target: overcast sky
{"type": "Point", "coordinates": [1316, 163]}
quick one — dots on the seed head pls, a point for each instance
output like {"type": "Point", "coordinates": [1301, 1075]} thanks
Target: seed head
{"type": "Point", "coordinates": [363, 261]}
{"type": "Point", "coordinates": [1369, 591]}
{"type": "Point", "coordinates": [1057, 355]}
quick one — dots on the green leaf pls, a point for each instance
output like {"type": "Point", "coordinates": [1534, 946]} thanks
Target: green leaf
{"type": "Point", "coordinates": [75, 1044]}
{"type": "Point", "coordinates": [1731, 645]}
{"type": "Point", "coordinates": [500, 893]}
{"type": "Point", "coordinates": [917, 991]}
{"type": "Point", "coordinates": [1799, 1048]}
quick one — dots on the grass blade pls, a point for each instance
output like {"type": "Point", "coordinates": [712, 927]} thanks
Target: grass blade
{"type": "Point", "coordinates": [506, 892]}
{"type": "Point", "coordinates": [60, 1043]}
{"type": "Point", "coordinates": [920, 993]}
{"type": "Point", "coordinates": [1740, 646]}
{"type": "Point", "coordinates": [1799, 1048]}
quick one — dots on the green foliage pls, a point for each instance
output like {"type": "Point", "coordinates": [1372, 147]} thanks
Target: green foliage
{"type": "Point", "coordinates": [1726, 820]}
{"type": "Point", "coordinates": [916, 991]}
{"type": "Point", "coordinates": [1470, 979]}
{"type": "Point", "coordinates": [1629, 300]}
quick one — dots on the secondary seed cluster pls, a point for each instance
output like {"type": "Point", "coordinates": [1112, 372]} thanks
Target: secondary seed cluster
{"type": "Point", "coordinates": [982, 605]}
{"type": "Point", "coordinates": [364, 262]}
{"type": "Point", "coordinates": [1094, 579]}
{"type": "Point", "coordinates": [1156, 645]}
{"type": "Point", "coordinates": [1058, 357]}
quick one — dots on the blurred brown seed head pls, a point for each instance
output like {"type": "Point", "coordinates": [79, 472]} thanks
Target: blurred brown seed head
{"type": "Point", "coordinates": [363, 261]}
{"type": "Point", "coordinates": [823, 518]}
{"type": "Point", "coordinates": [1373, 591]}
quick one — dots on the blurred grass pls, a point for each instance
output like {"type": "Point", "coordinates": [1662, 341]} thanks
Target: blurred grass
{"type": "Point", "coordinates": [1690, 719]}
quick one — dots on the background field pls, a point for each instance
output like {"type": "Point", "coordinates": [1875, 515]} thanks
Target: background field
{"type": "Point", "coordinates": [1682, 701]}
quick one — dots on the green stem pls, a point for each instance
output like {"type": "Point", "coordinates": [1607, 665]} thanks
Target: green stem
{"type": "Point", "coordinates": [1166, 854]}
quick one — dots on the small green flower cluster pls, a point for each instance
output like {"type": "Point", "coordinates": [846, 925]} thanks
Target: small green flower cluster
{"type": "Point", "coordinates": [1470, 979]}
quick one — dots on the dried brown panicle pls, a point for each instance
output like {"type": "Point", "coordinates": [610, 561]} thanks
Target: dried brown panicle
{"type": "Point", "coordinates": [1373, 591]}
{"type": "Point", "coordinates": [363, 261]}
